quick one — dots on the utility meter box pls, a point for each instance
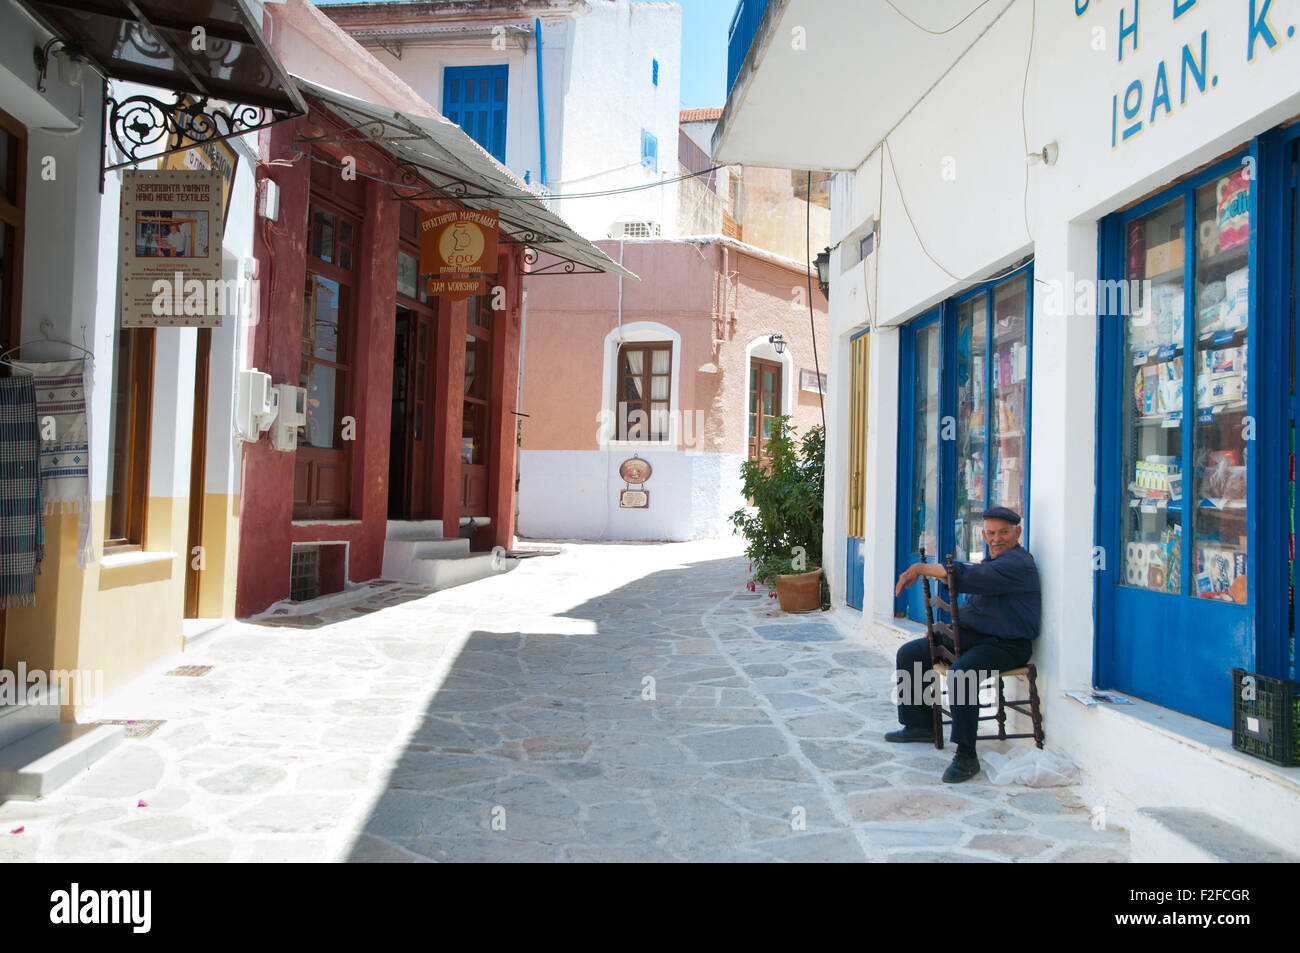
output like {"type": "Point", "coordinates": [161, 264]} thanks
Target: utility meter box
{"type": "Point", "coordinates": [258, 403]}
{"type": "Point", "coordinates": [293, 414]}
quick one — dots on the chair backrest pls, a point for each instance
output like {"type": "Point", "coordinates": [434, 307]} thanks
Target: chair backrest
{"type": "Point", "coordinates": [934, 627]}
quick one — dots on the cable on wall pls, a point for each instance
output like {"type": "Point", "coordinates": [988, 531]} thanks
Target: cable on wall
{"type": "Point", "coordinates": [978, 7]}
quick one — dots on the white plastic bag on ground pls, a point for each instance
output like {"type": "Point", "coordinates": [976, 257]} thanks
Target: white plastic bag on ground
{"type": "Point", "coordinates": [1032, 767]}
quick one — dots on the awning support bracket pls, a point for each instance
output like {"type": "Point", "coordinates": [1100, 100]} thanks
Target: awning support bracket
{"type": "Point", "coordinates": [138, 123]}
{"type": "Point", "coordinates": [560, 266]}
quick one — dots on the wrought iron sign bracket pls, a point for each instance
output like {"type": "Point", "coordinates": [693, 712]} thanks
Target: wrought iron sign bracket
{"type": "Point", "coordinates": [139, 123]}
{"type": "Point", "coordinates": [560, 266]}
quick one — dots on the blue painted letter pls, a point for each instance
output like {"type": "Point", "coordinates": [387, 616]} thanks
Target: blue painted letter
{"type": "Point", "coordinates": [1259, 28]}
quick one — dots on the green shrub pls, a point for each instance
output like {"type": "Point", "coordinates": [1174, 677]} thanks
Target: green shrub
{"type": "Point", "coordinates": [786, 492]}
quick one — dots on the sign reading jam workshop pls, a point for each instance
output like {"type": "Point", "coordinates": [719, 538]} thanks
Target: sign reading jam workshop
{"type": "Point", "coordinates": [1175, 78]}
{"type": "Point", "coordinates": [457, 249]}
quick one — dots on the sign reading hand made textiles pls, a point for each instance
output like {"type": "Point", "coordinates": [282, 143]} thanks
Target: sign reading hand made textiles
{"type": "Point", "coordinates": [170, 258]}
{"type": "Point", "coordinates": [457, 250]}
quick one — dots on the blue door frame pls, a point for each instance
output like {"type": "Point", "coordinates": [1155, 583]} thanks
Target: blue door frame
{"type": "Point", "coordinates": [1175, 649]}
{"type": "Point", "coordinates": [911, 604]}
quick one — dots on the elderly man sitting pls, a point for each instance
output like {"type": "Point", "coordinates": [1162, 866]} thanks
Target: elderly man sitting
{"type": "Point", "coordinates": [999, 621]}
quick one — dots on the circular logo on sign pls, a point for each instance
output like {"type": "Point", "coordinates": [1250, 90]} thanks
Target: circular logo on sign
{"type": "Point", "coordinates": [462, 245]}
{"type": "Point", "coordinates": [635, 470]}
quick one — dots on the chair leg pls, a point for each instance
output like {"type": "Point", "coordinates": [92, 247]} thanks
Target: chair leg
{"type": "Point", "coordinates": [1002, 712]}
{"type": "Point", "coordinates": [936, 710]}
{"type": "Point", "coordinates": [1035, 710]}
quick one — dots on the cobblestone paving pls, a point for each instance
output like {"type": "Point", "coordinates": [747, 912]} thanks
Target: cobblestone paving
{"type": "Point", "coordinates": [613, 703]}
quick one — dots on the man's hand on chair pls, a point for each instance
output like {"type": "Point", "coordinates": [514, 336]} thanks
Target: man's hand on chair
{"type": "Point", "coordinates": [916, 571]}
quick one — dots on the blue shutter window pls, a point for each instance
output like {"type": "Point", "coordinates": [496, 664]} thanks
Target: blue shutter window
{"type": "Point", "coordinates": [654, 71]}
{"type": "Point", "coordinates": [649, 151]}
{"type": "Point", "coordinates": [481, 109]}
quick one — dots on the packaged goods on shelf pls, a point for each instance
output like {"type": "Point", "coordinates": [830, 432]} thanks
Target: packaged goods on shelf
{"type": "Point", "coordinates": [1212, 306]}
{"type": "Point", "coordinates": [1237, 304]}
{"type": "Point", "coordinates": [1227, 360]}
{"type": "Point", "coordinates": [1233, 209]}
{"type": "Point", "coordinates": [1155, 476]}
{"type": "Point", "coordinates": [1165, 257]}
{"type": "Point", "coordinates": [1146, 386]}
{"type": "Point", "coordinates": [1213, 389]}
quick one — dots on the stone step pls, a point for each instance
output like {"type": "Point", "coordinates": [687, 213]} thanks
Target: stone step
{"type": "Point", "coordinates": [55, 754]}
{"type": "Point", "coordinates": [19, 721]}
{"type": "Point", "coordinates": [414, 529]}
{"type": "Point", "coordinates": [1187, 835]}
{"type": "Point", "coordinates": [445, 572]}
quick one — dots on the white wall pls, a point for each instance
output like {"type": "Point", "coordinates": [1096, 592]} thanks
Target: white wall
{"type": "Point", "coordinates": [573, 494]}
{"type": "Point", "coordinates": [608, 99]}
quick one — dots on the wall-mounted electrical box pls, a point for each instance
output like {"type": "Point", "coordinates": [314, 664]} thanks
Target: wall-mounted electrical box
{"type": "Point", "coordinates": [258, 403]}
{"type": "Point", "coordinates": [293, 414]}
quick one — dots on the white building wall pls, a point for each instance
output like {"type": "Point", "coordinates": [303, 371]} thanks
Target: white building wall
{"type": "Point", "coordinates": [956, 207]}
{"type": "Point", "coordinates": [609, 99]}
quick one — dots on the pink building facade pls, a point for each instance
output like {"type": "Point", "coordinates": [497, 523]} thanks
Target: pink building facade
{"type": "Point", "coordinates": [677, 370]}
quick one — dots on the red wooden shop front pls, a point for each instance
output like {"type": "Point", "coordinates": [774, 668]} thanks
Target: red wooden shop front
{"type": "Point", "coordinates": [411, 399]}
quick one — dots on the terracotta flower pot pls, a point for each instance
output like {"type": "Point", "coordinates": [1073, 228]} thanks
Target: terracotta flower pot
{"type": "Point", "coordinates": [801, 592]}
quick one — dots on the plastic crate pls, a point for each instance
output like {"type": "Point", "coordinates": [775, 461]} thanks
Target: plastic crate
{"type": "Point", "coordinates": [1266, 717]}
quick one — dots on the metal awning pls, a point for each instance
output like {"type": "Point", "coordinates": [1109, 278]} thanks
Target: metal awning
{"type": "Point", "coordinates": [211, 53]}
{"type": "Point", "coordinates": [439, 161]}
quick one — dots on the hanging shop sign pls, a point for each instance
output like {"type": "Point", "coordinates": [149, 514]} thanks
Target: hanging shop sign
{"type": "Point", "coordinates": [635, 471]}
{"type": "Point", "coordinates": [212, 156]}
{"type": "Point", "coordinates": [170, 257]}
{"type": "Point", "coordinates": [458, 250]}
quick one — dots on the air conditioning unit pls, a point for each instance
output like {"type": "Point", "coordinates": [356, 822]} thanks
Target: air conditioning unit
{"type": "Point", "coordinates": [634, 228]}
{"type": "Point", "coordinates": [293, 414]}
{"type": "Point", "coordinates": [258, 404]}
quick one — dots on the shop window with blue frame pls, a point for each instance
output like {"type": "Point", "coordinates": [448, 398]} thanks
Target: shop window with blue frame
{"type": "Point", "coordinates": [474, 97]}
{"type": "Point", "coordinates": [963, 424]}
{"type": "Point", "coordinates": [1195, 434]}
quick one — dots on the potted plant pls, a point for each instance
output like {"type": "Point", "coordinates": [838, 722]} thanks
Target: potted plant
{"type": "Point", "coordinates": [783, 525]}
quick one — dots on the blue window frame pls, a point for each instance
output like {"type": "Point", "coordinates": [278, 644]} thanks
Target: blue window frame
{"type": "Point", "coordinates": [1172, 635]}
{"type": "Point", "coordinates": [964, 423]}
{"type": "Point", "coordinates": [474, 97]}
{"type": "Point", "coordinates": [649, 151]}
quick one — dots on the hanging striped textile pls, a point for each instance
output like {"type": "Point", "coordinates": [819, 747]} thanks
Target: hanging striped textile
{"type": "Point", "coordinates": [21, 518]}
{"type": "Point", "coordinates": [61, 389]}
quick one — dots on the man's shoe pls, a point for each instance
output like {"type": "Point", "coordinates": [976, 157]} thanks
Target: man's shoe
{"type": "Point", "coordinates": [963, 768]}
{"type": "Point", "coordinates": [906, 735]}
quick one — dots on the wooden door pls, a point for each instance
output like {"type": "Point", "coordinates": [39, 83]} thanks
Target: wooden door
{"type": "Point", "coordinates": [764, 404]}
{"type": "Point", "coordinates": [478, 395]}
{"type": "Point", "coordinates": [410, 470]}
{"type": "Point", "coordinates": [859, 359]}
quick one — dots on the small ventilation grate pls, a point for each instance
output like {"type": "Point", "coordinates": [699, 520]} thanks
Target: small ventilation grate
{"type": "Point", "coordinates": [190, 671]}
{"type": "Point", "coordinates": [304, 574]}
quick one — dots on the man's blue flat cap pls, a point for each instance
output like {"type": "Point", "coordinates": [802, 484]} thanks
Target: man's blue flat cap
{"type": "Point", "coordinates": [1002, 513]}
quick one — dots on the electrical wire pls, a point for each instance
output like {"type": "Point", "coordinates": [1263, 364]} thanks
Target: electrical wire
{"type": "Point", "coordinates": [523, 198]}
{"type": "Point", "coordinates": [1024, 93]}
{"type": "Point", "coordinates": [1024, 135]}
{"type": "Point", "coordinates": [923, 29]}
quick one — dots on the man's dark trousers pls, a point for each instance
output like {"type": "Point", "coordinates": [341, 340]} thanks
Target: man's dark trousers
{"type": "Point", "coordinates": [980, 653]}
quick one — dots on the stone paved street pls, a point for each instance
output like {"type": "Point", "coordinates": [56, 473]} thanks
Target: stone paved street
{"type": "Point", "coordinates": [512, 719]}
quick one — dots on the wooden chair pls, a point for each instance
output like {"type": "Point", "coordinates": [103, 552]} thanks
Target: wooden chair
{"type": "Point", "coordinates": [942, 658]}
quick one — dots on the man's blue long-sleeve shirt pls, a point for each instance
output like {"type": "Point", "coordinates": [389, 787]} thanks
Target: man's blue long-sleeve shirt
{"type": "Point", "coordinates": [1002, 595]}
